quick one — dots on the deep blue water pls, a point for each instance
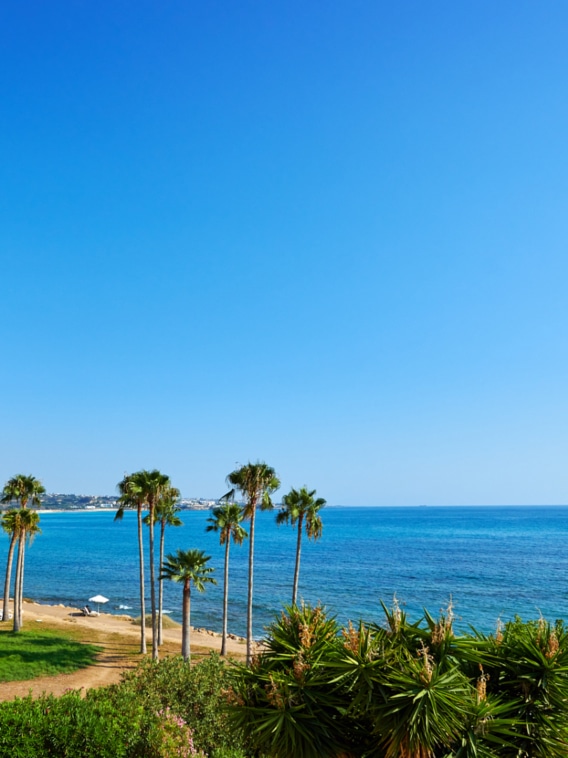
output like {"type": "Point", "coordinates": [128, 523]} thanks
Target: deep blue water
{"type": "Point", "coordinates": [496, 562]}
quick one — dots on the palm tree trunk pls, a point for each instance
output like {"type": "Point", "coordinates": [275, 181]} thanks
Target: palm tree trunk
{"type": "Point", "coordinates": [9, 576]}
{"type": "Point", "coordinates": [225, 598]}
{"type": "Point", "coordinates": [155, 654]}
{"type": "Point", "coordinates": [21, 588]}
{"type": "Point", "coordinates": [16, 613]}
{"type": "Point", "coordinates": [142, 600]}
{"type": "Point", "coordinates": [250, 585]}
{"type": "Point", "coordinates": [161, 583]}
{"type": "Point", "coordinates": [297, 567]}
{"type": "Point", "coordinates": [185, 626]}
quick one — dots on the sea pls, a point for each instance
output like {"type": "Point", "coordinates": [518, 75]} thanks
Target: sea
{"type": "Point", "coordinates": [493, 563]}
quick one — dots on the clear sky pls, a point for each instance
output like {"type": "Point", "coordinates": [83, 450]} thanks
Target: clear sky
{"type": "Point", "coordinates": [328, 235]}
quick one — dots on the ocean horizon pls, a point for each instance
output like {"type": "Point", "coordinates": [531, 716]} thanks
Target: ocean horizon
{"type": "Point", "coordinates": [494, 562]}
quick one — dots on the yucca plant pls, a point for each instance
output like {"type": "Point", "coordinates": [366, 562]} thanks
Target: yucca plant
{"type": "Point", "coordinates": [527, 668]}
{"type": "Point", "coordinates": [286, 702]}
{"type": "Point", "coordinates": [405, 690]}
{"type": "Point", "coordinates": [413, 702]}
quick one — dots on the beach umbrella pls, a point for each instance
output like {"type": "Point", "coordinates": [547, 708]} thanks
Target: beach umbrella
{"type": "Point", "coordinates": [98, 599]}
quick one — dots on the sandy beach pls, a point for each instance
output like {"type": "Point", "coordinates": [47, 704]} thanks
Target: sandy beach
{"type": "Point", "coordinates": [119, 637]}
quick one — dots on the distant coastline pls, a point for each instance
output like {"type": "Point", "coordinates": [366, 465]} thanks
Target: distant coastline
{"type": "Point", "coordinates": [78, 510]}
{"type": "Point", "coordinates": [70, 503]}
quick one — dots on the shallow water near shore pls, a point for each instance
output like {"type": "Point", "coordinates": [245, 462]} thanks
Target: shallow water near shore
{"type": "Point", "coordinates": [495, 562]}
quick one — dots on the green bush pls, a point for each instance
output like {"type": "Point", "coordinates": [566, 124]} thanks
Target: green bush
{"type": "Point", "coordinates": [196, 694]}
{"type": "Point", "coordinates": [159, 710]}
{"type": "Point", "coordinates": [318, 691]}
{"type": "Point", "coordinates": [73, 727]}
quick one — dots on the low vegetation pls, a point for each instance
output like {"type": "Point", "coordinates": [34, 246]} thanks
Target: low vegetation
{"type": "Point", "coordinates": [397, 690]}
{"type": "Point", "coordinates": [404, 690]}
{"type": "Point", "coordinates": [160, 710]}
{"type": "Point", "coordinates": [30, 654]}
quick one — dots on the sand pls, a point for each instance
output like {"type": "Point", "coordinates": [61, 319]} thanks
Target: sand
{"type": "Point", "coordinates": [119, 637]}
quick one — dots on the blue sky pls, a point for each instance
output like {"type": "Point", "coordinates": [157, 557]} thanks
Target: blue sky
{"type": "Point", "coordinates": [332, 236]}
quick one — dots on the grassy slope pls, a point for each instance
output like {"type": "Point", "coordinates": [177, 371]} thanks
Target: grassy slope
{"type": "Point", "coordinates": [30, 654]}
{"type": "Point", "coordinates": [50, 651]}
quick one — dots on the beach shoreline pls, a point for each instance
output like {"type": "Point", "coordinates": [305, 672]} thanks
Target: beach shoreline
{"type": "Point", "coordinates": [119, 636]}
{"type": "Point", "coordinates": [35, 612]}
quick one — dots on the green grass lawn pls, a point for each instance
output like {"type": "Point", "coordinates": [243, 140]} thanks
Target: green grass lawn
{"type": "Point", "coordinates": [29, 654]}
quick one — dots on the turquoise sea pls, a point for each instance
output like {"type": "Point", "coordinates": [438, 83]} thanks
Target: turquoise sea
{"type": "Point", "coordinates": [495, 562]}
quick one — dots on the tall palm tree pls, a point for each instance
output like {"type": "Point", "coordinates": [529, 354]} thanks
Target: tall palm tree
{"type": "Point", "coordinates": [256, 482]}
{"type": "Point", "coordinates": [131, 496]}
{"type": "Point", "coordinates": [23, 489]}
{"type": "Point", "coordinates": [11, 525]}
{"type": "Point", "coordinates": [166, 515]}
{"type": "Point", "coordinates": [154, 484]}
{"type": "Point", "coordinates": [29, 527]}
{"type": "Point", "coordinates": [301, 507]}
{"type": "Point", "coordinates": [186, 567]}
{"type": "Point", "coordinates": [147, 487]}
{"type": "Point", "coordinates": [226, 520]}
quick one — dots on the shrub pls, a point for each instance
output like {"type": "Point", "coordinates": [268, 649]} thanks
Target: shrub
{"type": "Point", "coordinates": [73, 727]}
{"type": "Point", "coordinates": [196, 694]}
{"type": "Point", "coordinates": [159, 710]}
{"type": "Point", "coordinates": [411, 690]}
{"type": "Point", "coordinates": [288, 703]}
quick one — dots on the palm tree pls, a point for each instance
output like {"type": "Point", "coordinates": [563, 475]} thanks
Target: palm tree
{"type": "Point", "coordinates": [187, 566]}
{"type": "Point", "coordinates": [11, 525]}
{"type": "Point", "coordinates": [131, 496]}
{"type": "Point", "coordinates": [29, 527]}
{"type": "Point", "coordinates": [154, 484]}
{"type": "Point", "coordinates": [166, 514]}
{"type": "Point", "coordinates": [23, 489]}
{"type": "Point", "coordinates": [226, 520]}
{"type": "Point", "coordinates": [301, 507]}
{"type": "Point", "coordinates": [256, 482]}
{"type": "Point", "coordinates": [147, 487]}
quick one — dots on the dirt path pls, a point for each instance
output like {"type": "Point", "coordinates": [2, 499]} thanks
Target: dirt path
{"type": "Point", "coordinates": [120, 640]}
